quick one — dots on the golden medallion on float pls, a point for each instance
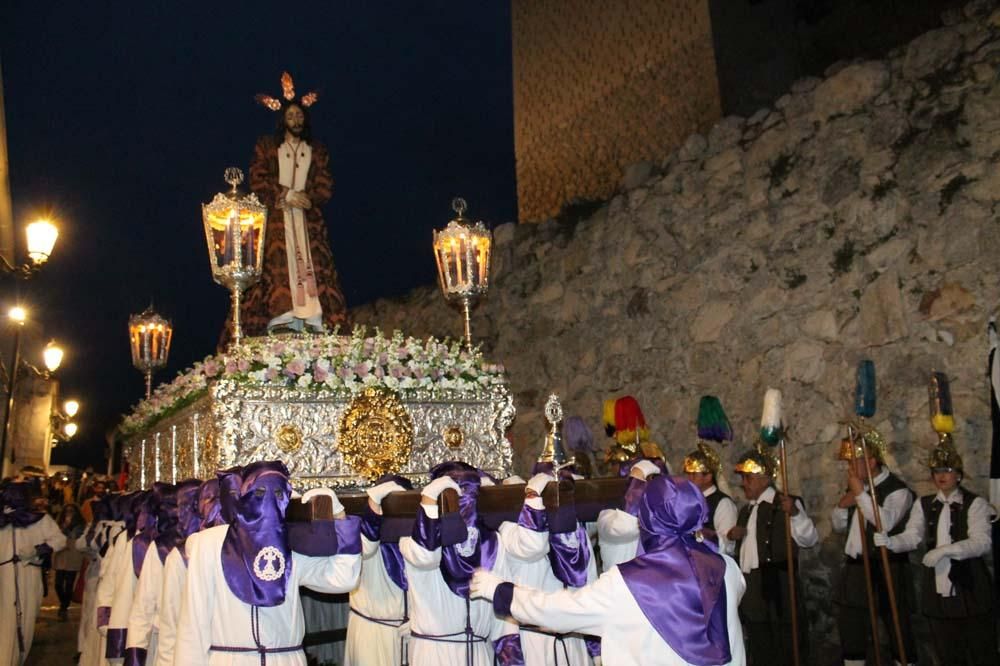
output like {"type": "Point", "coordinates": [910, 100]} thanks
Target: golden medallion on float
{"type": "Point", "coordinates": [376, 433]}
{"type": "Point", "coordinates": [288, 438]}
{"type": "Point", "coordinates": [453, 436]}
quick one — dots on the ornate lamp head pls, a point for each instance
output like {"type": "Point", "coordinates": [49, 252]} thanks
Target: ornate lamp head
{"type": "Point", "coordinates": [234, 230]}
{"type": "Point", "coordinates": [150, 336]}
{"type": "Point", "coordinates": [462, 250]}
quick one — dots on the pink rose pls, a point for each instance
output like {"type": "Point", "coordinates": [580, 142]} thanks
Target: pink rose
{"type": "Point", "coordinates": [271, 374]}
{"type": "Point", "coordinates": [295, 368]}
{"type": "Point", "coordinates": [319, 374]}
{"type": "Point", "coordinates": [243, 365]}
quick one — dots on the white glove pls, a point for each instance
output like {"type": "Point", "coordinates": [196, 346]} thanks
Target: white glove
{"type": "Point", "coordinates": [434, 489]}
{"type": "Point", "coordinates": [539, 481]}
{"type": "Point", "coordinates": [378, 493]}
{"type": "Point", "coordinates": [597, 661]}
{"type": "Point", "coordinates": [644, 468]}
{"type": "Point", "coordinates": [512, 480]}
{"type": "Point", "coordinates": [403, 630]}
{"type": "Point", "coordinates": [932, 557]}
{"type": "Point", "coordinates": [882, 539]}
{"type": "Point", "coordinates": [484, 584]}
{"type": "Point", "coordinates": [316, 492]}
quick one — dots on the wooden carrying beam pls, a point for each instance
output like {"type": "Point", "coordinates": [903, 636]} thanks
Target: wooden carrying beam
{"type": "Point", "coordinates": [495, 504]}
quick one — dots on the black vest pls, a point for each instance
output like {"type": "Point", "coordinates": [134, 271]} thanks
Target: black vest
{"type": "Point", "coordinates": [888, 486]}
{"type": "Point", "coordinates": [971, 578]}
{"type": "Point", "coordinates": [713, 504]}
{"type": "Point", "coordinates": [770, 533]}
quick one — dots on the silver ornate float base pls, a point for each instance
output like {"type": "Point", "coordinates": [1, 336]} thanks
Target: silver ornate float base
{"type": "Point", "coordinates": [238, 423]}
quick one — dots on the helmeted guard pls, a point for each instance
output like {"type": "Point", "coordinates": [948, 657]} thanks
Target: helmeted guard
{"type": "Point", "coordinates": [956, 597]}
{"type": "Point", "coordinates": [701, 467]}
{"type": "Point", "coordinates": [760, 546]}
{"type": "Point", "coordinates": [894, 501]}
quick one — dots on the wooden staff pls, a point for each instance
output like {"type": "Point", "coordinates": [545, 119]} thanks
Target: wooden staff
{"type": "Point", "coordinates": [790, 555]}
{"type": "Point", "coordinates": [893, 608]}
{"type": "Point", "coordinates": [866, 557]}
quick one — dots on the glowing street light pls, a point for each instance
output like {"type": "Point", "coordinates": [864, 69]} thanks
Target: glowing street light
{"type": "Point", "coordinates": [70, 429]}
{"type": "Point", "coordinates": [71, 407]}
{"type": "Point", "coordinates": [41, 239]}
{"type": "Point", "coordinates": [17, 314]}
{"type": "Point", "coordinates": [53, 356]}
{"type": "Point", "coordinates": [42, 236]}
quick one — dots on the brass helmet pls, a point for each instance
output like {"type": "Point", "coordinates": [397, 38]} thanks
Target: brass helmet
{"type": "Point", "coordinates": [853, 450]}
{"type": "Point", "coordinates": [945, 457]}
{"type": "Point", "coordinates": [703, 460]}
{"type": "Point", "coordinates": [756, 462]}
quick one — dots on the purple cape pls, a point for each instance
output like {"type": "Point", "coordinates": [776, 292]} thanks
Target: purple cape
{"type": "Point", "coordinates": [679, 582]}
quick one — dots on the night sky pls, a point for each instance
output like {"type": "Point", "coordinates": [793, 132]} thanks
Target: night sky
{"type": "Point", "coordinates": [121, 118]}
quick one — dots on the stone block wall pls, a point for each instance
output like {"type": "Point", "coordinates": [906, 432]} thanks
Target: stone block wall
{"type": "Point", "coordinates": [856, 218]}
{"type": "Point", "coordinates": [600, 85]}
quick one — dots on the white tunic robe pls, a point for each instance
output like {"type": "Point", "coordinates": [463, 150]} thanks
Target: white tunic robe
{"type": "Point", "coordinates": [212, 615]}
{"type": "Point", "coordinates": [377, 596]}
{"type": "Point", "coordinates": [124, 590]}
{"type": "Point", "coordinates": [171, 594]}
{"type": "Point", "coordinates": [110, 571]}
{"type": "Point", "coordinates": [88, 640]}
{"type": "Point", "coordinates": [436, 611]}
{"type": "Point", "coordinates": [143, 630]}
{"type": "Point", "coordinates": [29, 583]}
{"type": "Point", "coordinates": [529, 566]}
{"type": "Point", "coordinates": [607, 609]}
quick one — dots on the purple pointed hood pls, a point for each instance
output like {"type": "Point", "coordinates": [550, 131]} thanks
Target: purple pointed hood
{"type": "Point", "coordinates": [16, 506]}
{"type": "Point", "coordinates": [256, 556]}
{"type": "Point", "coordinates": [230, 484]}
{"type": "Point", "coordinates": [177, 516]}
{"type": "Point", "coordinates": [679, 582]}
{"type": "Point", "coordinates": [208, 504]}
{"type": "Point", "coordinates": [148, 510]}
{"type": "Point", "coordinates": [479, 549]}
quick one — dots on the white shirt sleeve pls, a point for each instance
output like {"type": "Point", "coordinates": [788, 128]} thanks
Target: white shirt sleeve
{"type": "Point", "coordinates": [913, 534]}
{"type": "Point", "coordinates": [581, 609]}
{"type": "Point", "coordinates": [145, 601]}
{"type": "Point", "coordinates": [197, 605]}
{"type": "Point", "coordinates": [803, 530]}
{"type": "Point", "coordinates": [979, 542]}
{"type": "Point", "coordinates": [416, 555]}
{"type": "Point", "coordinates": [331, 575]}
{"type": "Point", "coordinates": [49, 533]}
{"type": "Point", "coordinates": [725, 520]}
{"type": "Point", "coordinates": [892, 510]}
{"type": "Point", "coordinates": [520, 542]}
{"type": "Point", "coordinates": [616, 525]}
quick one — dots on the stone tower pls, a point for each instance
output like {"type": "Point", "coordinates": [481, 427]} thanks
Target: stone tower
{"type": "Point", "coordinates": [601, 85]}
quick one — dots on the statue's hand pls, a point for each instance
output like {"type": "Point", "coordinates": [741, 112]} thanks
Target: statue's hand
{"type": "Point", "coordinates": [299, 199]}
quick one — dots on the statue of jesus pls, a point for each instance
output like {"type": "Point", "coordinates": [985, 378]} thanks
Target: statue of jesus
{"type": "Point", "coordinates": [290, 173]}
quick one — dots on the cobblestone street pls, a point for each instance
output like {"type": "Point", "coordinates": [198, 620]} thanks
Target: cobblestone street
{"type": "Point", "coordinates": [55, 641]}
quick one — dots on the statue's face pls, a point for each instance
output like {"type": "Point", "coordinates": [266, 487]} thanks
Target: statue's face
{"type": "Point", "coordinates": [295, 120]}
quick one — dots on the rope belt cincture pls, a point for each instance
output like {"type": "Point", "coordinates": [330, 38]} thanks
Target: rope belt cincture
{"type": "Point", "coordinates": [259, 649]}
